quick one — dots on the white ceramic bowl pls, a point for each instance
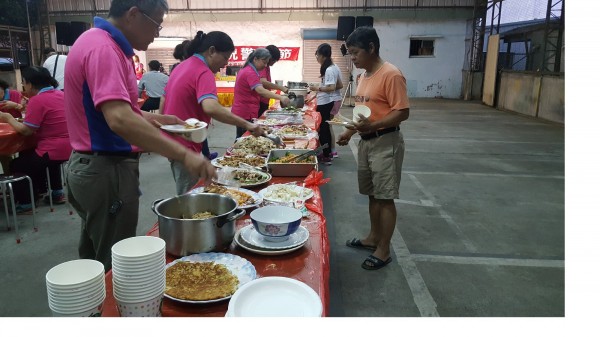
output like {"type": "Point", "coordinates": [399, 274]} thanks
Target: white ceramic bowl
{"type": "Point", "coordinates": [275, 222]}
{"type": "Point", "coordinates": [275, 297]}
{"type": "Point", "coordinates": [74, 274]}
{"type": "Point", "coordinates": [138, 247]}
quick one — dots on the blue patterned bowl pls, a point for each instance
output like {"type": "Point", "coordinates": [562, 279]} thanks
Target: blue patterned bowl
{"type": "Point", "coordinates": [276, 223]}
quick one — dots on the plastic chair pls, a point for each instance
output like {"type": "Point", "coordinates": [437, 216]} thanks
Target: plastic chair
{"type": "Point", "coordinates": [6, 182]}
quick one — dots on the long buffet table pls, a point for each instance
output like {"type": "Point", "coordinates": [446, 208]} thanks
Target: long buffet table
{"type": "Point", "coordinates": [309, 264]}
{"type": "Point", "coordinates": [12, 142]}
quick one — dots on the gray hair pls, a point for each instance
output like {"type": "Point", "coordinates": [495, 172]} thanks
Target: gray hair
{"type": "Point", "coordinates": [119, 7]}
{"type": "Point", "coordinates": [260, 53]}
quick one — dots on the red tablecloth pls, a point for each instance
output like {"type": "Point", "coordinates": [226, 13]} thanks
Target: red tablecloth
{"type": "Point", "coordinates": [12, 142]}
{"type": "Point", "coordinates": [309, 264]}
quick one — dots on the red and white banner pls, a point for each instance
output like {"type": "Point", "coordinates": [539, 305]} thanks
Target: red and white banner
{"type": "Point", "coordinates": [241, 53]}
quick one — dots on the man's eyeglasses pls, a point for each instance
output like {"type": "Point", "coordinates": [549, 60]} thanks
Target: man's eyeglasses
{"type": "Point", "coordinates": [158, 26]}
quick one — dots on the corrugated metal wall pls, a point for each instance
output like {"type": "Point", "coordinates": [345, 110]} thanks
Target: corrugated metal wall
{"type": "Point", "coordinates": [310, 67]}
{"type": "Point", "coordinates": [262, 5]}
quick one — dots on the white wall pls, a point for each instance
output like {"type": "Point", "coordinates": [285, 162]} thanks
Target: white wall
{"type": "Point", "coordinates": [439, 76]}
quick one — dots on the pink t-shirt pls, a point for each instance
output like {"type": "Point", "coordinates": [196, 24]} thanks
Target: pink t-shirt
{"type": "Point", "coordinates": [46, 115]}
{"type": "Point", "coordinates": [99, 69]}
{"type": "Point", "coordinates": [13, 96]}
{"type": "Point", "coordinates": [246, 101]}
{"type": "Point", "coordinates": [190, 83]}
{"type": "Point", "coordinates": [266, 74]}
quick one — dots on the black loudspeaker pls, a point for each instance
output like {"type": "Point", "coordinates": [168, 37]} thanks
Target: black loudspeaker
{"type": "Point", "coordinates": [345, 27]}
{"type": "Point", "coordinates": [77, 28]}
{"type": "Point", "coordinates": [63, 35]}
{"type": "Point", "coordinates": [364, 21]}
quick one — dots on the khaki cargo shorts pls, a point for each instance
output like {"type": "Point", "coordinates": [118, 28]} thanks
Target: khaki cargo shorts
{"type": "Point", "coordinates": [380, 165]}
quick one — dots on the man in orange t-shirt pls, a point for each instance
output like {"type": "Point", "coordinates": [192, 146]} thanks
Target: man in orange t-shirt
{"type": "Point", "coordinates": [382, 88]}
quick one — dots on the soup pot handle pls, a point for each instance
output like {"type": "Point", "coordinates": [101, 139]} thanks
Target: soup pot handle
{"type": "Point", "coordinates": [154, 205]}
{"type": "Point", "coordinates": [234, 216]}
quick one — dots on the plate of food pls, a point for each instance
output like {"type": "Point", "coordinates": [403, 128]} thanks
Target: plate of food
{"type": "Point", "coordinates": [293, 131]}
{"type": "Point", "coordinates": [185, 128]}
{"type": "Point", "coordinates": [338, 121]}
{"type": "Point", "coordinates": [234, 161]}
{"type": "Point", "coordinates": [251, 145]}
{"type": "Point", "coordinates": [247, 178]}
{"type": "Point", "coordinates": [207, 277]}
{"type": "Point", "coordinates": [244, 198]}
{"type": "Point", "coordinates": [285, 193]}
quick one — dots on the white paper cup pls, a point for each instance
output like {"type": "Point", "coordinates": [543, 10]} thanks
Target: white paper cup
{"type": "Point", "coordinates": [74, 274]}
{"type": "Point", "coordinates": [134, 248]}
{"type": "Point", "coordinates": [148, 308]}
{"type": "Point", "coordinates": [362, 110]}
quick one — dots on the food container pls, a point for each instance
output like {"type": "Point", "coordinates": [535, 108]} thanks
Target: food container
{"type": "Point", "coordinates": [297, 85]}
{"type": "Point", "coordinates": [188, 236]}
{"type": "Point", "coordinates": [290, 169]}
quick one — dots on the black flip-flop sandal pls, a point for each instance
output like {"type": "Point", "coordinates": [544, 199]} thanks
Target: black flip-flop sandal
{"type": "Point", "coordinates": [374, 263]}
{"type": "Point", "coordinates": [356, 243]}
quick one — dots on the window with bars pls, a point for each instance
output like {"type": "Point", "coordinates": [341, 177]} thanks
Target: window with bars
{"type": "Point", "coordinates": [422, 47]}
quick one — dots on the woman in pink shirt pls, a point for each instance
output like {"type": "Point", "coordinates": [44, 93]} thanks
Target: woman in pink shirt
{"type": "Point", "coordinates": [10, 100]}
{"type": "Point", "coordinates": [192, 93]}
{"type": "Point", "coordinates": [139, 67]}
{"type": "Point", "coordinates": [248, 88]}
{"type": "Point", "coordinates": [44, 120]}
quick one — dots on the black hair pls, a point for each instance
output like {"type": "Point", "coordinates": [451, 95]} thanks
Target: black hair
{"type": "Point", "coordinates": [38, 77]}
{"type": "Point", "coordinates": [3, 84]}
{"type": "Point", "coordinates": [275, 53]}
{"type": "Point", "coordinates": [361, 37]}
{"type": "Point", "coordinates": [154, 65]}
{"type": "Point", "coordinates": [260, 53]}
{"type": "Point", "coordinates": [324, 49]}
{"type": "Point", "coordinates": [49, 50]}
{"type": "Point", "coordinates": [119, 7]}
{"type": "Point", "coordinates": [201, 42]}
{"type": "Point", "coordinates": [179, 51]}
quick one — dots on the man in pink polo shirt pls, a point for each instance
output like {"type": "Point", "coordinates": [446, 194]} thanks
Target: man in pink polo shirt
{"type": "Point", "coordinates": [107, 128]}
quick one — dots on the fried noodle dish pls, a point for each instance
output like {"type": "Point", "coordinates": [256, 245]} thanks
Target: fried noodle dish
{"type": "Point", "coordinates": [202, 215]}
{"type": "Point", "coordinates": [241, 198]}
{"type": "Point", "coordinates": [200, 281]}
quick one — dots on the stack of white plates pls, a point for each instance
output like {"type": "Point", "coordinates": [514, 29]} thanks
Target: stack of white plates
{"type": "Point", "coordinates": [139, 275]}
{"type": "Point", "coordinates": [251, 240]}
{"type": "Point", "coordinates": [76, 288]}
{"type": "Point", "coordinates": [275, 297]}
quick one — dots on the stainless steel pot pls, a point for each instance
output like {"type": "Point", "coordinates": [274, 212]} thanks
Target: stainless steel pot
{"type": "Point", "coordinates": [297, 101]}
{"type": "Point", "coordinates": [298, 92]}
{"type": "Point", "coordinates": [297, 85]}
{"type": "Point", "coordinates": [184, 235]}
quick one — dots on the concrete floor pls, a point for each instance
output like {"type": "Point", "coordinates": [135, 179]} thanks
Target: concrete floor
{"type": "Point", "coordinates": [480, 229]}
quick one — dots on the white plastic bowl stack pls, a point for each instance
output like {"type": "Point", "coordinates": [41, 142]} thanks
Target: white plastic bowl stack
{"type": "Point", "coordinates": [76, 288]}
{"type": "Point", "coordinates": [138, 267]}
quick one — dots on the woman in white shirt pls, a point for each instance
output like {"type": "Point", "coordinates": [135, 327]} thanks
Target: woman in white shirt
{"type": "Point", "coordinates": [327, 94]}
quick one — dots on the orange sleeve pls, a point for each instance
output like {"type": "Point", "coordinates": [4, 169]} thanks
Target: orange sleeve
{"type": "Point", "coordinates": [396, 93]}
